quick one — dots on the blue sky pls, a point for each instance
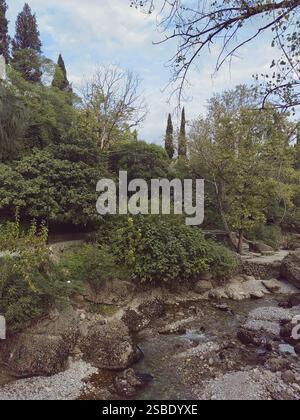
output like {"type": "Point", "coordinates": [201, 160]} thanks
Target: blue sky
{"type": "Point", "coordinates": [89, 33]}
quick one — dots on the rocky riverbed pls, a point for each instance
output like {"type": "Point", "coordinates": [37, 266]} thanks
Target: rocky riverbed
{"type": "Point", "coordinates": [196, 350]}
{"type": "Point", "coordinates": [210, 343]}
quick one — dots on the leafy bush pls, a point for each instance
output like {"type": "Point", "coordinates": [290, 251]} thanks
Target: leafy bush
{"type": "Point", "coordinates": [13, 118]}
{"type": "Point", "coordinates": [222, 262]}
{"type": "Point", "coordinates": [52, 184]}
{"type": "Point", "coordinates": [30, 284]}
{"type": "Point", "coordinates": [268, 234]}
{"type": "Point", "coordinates": [92, 264]}
{"type": "Point", "coordinates": [161, 250]}
{"type": "Point", "coordinates": [291, 222]}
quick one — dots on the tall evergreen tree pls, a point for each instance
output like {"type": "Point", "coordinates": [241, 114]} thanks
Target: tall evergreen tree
{"type": "Point", "coordinates": [169, 139]}
{"type": "Point", "coordinates": [182, 146]}
{"type": "Point", "coordinates": [135, 136]}
{"type": "Point", "coordinates": [4, 37]}
{"type": "Point", "coordinates": [26, 46]}
{"type": "Point", "coordinates": [60, 80]}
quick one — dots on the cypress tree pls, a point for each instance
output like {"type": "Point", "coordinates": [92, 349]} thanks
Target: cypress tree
{"type": "Point", "coordinates": [182, 147]}
{"type": "Point", "coordinates": [4, 37]}
{"type": "Point", "coordinates": [60, 80]}
{"type": "Point", "coordinates": [169, 139]}
{"type": "Point", "coordinates": [26, 46]}
{"type": "Point", "coordinates": [135, 136]}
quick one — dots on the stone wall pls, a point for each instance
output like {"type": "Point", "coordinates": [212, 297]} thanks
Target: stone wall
{"type": "Point", "coordinates": [262, 271]}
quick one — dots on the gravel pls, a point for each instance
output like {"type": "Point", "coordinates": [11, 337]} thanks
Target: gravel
{"type": "Point", "coordinates": [67, 385]}
{"type": "Point", "coordinates": [255, 385]}
{"type": "Point", "coordinates": [274, 314]}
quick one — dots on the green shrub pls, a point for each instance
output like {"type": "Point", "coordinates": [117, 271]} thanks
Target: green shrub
{"type": "Point", "coordinates": [222, 262]}
{"type": "Point", "coordinates": [158, 250]}
{"type": "Point", "coordinates": [291, 222]}
{"type": "Point", "coordinates": [269, 234]}
{"type": "Point", "coordinates": [92, 264]}
{"type": "Point", "coordinates": [30, 283]}
{"type": "Point", "coordinates": [141, 160]}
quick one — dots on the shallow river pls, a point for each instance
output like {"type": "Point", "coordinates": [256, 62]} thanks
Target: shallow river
{"type": "Point", "coordinates": [212, 325]}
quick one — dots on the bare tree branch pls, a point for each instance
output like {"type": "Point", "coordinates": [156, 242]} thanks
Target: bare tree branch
{"type": "Point", "coordinates": [198, 24]}
{"type": "Point", "coordinates": [112, 98]}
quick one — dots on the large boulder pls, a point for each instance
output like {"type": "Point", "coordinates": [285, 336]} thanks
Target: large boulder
{"type": "Point", "coordinates": [290, 268]}
{"type": "Point", "coordinates": [240, 288]}
{"type": "Point", "coordinates": [42, 349]}
{"type": "Point", "coordinates": [109, 346]}
{"type": "Point", "coordinates": [62, 324]}
{"type": "Point", "coordinates": [34, 355]}
{"type": "Point", "coordinates": [260, 247]}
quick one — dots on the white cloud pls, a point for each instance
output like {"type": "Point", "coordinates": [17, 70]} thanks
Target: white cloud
{"type": "Point", "coordinates": [109, 31]}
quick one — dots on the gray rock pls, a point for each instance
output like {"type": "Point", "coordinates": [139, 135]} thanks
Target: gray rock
{"type": "Point", "coordinates": [135, 321]}
{"type": "Point", "coordinates": [261, 248]}
{"type": "Point", "coordinates": [247, 337]}
{"type": "Point", "coordinates": [288, 377]}
{"type": "Point", "coordinates": [128, 383]}
{"type": "Point", "coordinates": [278, 365]}
{"type": "Point", "coordinates": [44, 348]}
{"type": "Point", "coordinates": [203, 286]}
{"type": "Point", "coordinates": [290, 268]}
{"type": "Point", "coordinates": [27, 355]}
{"type": "Point", "coordinates": [109, 346]}
{"type": "Point", "coordinates": [272, 286]}
{"type": "Point", "coordinates": [287, 332]}
{"type": "Point", "coordinates": [293, 301]}
{"type": "Point", "coordinates": [152, 309]}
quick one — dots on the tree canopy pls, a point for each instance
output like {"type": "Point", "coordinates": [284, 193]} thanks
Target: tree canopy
{"type": "Point", "coordinates": [26, 46]}
{"type": "Point", "coordinates": [246, 155]}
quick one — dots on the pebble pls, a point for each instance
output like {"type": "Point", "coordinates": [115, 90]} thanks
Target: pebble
{"type": "Point", "coordinates": [67, 385]}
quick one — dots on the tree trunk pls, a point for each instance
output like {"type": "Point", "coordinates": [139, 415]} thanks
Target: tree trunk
{"type": "Point", "coordinates": [241, 241]}
{"type": "Point", "coordinates": [222, 214]}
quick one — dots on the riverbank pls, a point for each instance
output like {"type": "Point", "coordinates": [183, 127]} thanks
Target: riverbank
{"type": "Point", "coordinates": [192, 352]}
{"type": "Point", "coordinates": [230, 341]}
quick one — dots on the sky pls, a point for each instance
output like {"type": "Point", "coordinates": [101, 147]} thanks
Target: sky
{"type": "Point", "coordinates": [90, 33]}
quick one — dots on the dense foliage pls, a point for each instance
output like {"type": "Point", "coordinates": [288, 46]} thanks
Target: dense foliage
{"type": "Point", "coordinates": [30, 284]}
{"type": "Point", "coordinates": [248, 158]}
{"type": "Point", "coordinates": [164, 250]}
{"type": "Point", "coordinates": [92, 264]}
{"type": "Point", "coordinates": [141, 160]}
{"type": "Point", "coordinates": [56, 146]}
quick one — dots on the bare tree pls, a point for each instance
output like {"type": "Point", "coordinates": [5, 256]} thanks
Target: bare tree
{"type": "Point", "coordinates": [113, 103]}
{"type": "Point", "coordinates": [231, 24]}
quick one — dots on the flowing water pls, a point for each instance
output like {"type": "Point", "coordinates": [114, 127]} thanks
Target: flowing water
{"type": "Point", "coordinates": [161, 351]}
